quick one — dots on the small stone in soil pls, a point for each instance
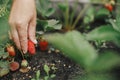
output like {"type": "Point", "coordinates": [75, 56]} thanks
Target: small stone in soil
{"type": "Point", "coordinates": [34, 68]}
{"type": "Point", "coordinates": [57, 51]}
{"type": "Point", "coordinates": [26, 74]}
{"type": "Point", "coordinates": [30, 76]}
{"type": "Point", "coordinates": [69, 66]}
{"type": "Point", "coordinates": [59, 61]}
{"type": "Point", "coordinates": [49, 51]}
{"type": "Point", "coordinates": [64, 65]}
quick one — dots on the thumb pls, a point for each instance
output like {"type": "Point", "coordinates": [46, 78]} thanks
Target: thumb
{"type": "Point", "coordinates": [31, 31]}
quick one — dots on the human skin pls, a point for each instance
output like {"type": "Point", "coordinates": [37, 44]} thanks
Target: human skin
{"type": "Point", "coordinates": [22, 22]}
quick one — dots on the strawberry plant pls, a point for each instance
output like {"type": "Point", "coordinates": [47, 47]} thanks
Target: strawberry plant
{"type": "Point", "coordinates": [74, 45]}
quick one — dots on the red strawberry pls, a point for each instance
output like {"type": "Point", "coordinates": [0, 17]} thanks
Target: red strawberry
{"type": "Point", "coordinates": [109, 7]}
{"type": "Point", "coordinates": [31, 47]}
{"type": "Point", "coordinates": [14, 66]}
{"type": "Point", "coordinates": [11, 51]}
{"type": "Point", "coordinates": [43, 45]}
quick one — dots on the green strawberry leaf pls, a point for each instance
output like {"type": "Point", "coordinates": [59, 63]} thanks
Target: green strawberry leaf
{"type": "Point", "coordinates": [74, 46]}
{"type": "Point", "coordinates": [4, 68]}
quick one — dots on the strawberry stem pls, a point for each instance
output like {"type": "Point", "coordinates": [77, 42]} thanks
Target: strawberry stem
{"type": "Point", "coordinates": [22, 54]}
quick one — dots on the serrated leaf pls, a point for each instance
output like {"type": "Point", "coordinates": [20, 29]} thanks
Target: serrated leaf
{"type": "Point", "coordinates": [44, 8]}
{"type": "Point", "coordinates": [74, 46]}
{"type": "Point", "coordinates": [3, 54]}
{"type": "Point", "coordinates": [4, 68]}
{"type": "Point", "coordinates": [106, 33]}
{"type": "Point", "coordinates": [52, 25]}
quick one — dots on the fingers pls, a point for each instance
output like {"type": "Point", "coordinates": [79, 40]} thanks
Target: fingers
{"type": "Point", "coordinates": [19, 35]}
{"type": "Point", "coordinates": [22, 34]}
{"type": "Point", "coordinates": [31, 30]}
{"type": "Point", "coordinates": [14, 35]}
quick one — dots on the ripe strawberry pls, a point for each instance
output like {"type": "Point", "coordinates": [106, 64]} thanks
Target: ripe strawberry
{"type": "Point", "coordinates": [31, 47]}
{"type": "Point", "coordinates": [24, 63]}
{"type": "Point", "coordinates": [43, 45]}
{"type": "Point", "coordinates": [11, 51]}
{"type": "Point", "coordinates": [14, 66]}
{"type": "Point", "coordinates": [109, 7]}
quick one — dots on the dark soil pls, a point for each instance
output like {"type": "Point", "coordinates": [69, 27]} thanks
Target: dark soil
{"type": "Point", "coordinates": [66, 69]}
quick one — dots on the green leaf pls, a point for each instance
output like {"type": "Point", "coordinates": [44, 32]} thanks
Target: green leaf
{"type": "Point", "coordinates": [46, 77]}
{"type": "Point", "coordinates": [46, 69]}
{"type": "Point", "coordinates": [106, 33]}
{"type": "Point", "coordinates": [102, 13]}
{"type": "Point", "coordinates": [38, 75]}
{"type": "Point", "coordinates": [4, 68]}
{"type": "Point", "coordinates": [62, 6]}
{"type": "Point", "coordinates": [97, 76]}
{"type": "Point", "coordinates": [115, 24]}
{"type": "Point", "coordinates": [3, 54]}
{"type": "Point", "coordinates": [48, 25]}
{"type": "Point", "coordinates": [106, 61]}
{"type": "Point", "coordinates": [52, 76]}
{"type": "Point", "coordinates": [74, 46]}
{"type": "Point", "coordinates": [4, 28]}
{"type": "Point", "coordinates": [44, 8]}
{"type": "Point", "coordinates": [32, 79]}
{"type": "Point", "coordinates": [53, 24]}
{"type": "Point", "coordinates": [41, 24]}
{"type": "Point", "coordinates": [89, 17]}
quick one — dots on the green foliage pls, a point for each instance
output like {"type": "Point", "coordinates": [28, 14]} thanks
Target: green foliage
{"type": "Point", "coordinates": [44, 8]}
{"type": "Point", "coordinates": [69, 23]}
{"type": "Point", "coordinates": [48, 76]}
{"type": "Point", "coordinates": [115, 24]}
{"type": "Point", "coordinates": [89, 17]}
{"type": "Point", "coordinates": [37, 77]}
{"type": "Point", "coordinates": [4, 7]}
{"type": "Point", "coordinates": [102, 13]}
{"type": "Point", "coordinates": [4, 28]}
{"type": "Point", "coordinates": [3, 54]}
{"type": "Point", "coordinates": [75, 46]}
{"type": "Point", "coordinates": [46, 69]}
{"type": "Point", "coordinates": [49, 25]}
{"type": "Point", "coordinates": [105, 32]}
{"type": "Point", "coordinates": [98, 76]}
{"type": "Point", "coordinates": [4, 68]}
{"type": "Point", "coordinates": [105, 62]}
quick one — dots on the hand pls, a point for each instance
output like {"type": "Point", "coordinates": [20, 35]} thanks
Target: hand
{"type": "Point", "coordinates": [22, 21]}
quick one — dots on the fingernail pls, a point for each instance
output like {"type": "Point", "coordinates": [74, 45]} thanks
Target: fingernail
{"type": "Point", "coordinates": [35, 41]}
{"type": "Point", "coordinates": [24, 52]}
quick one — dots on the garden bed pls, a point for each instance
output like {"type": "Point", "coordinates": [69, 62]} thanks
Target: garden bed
{"type": "Point", "coordinates": [66, 69]}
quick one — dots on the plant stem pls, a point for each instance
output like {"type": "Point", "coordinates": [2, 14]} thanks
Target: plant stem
{"type": "Point", "coordinates": [22, 54]}
{"type": "Point", "coordinates": [67, 14]}
{"type": "Point", "coordinates": [80, 15]}
{"type": "Point", "coordinates": [73, 13]}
